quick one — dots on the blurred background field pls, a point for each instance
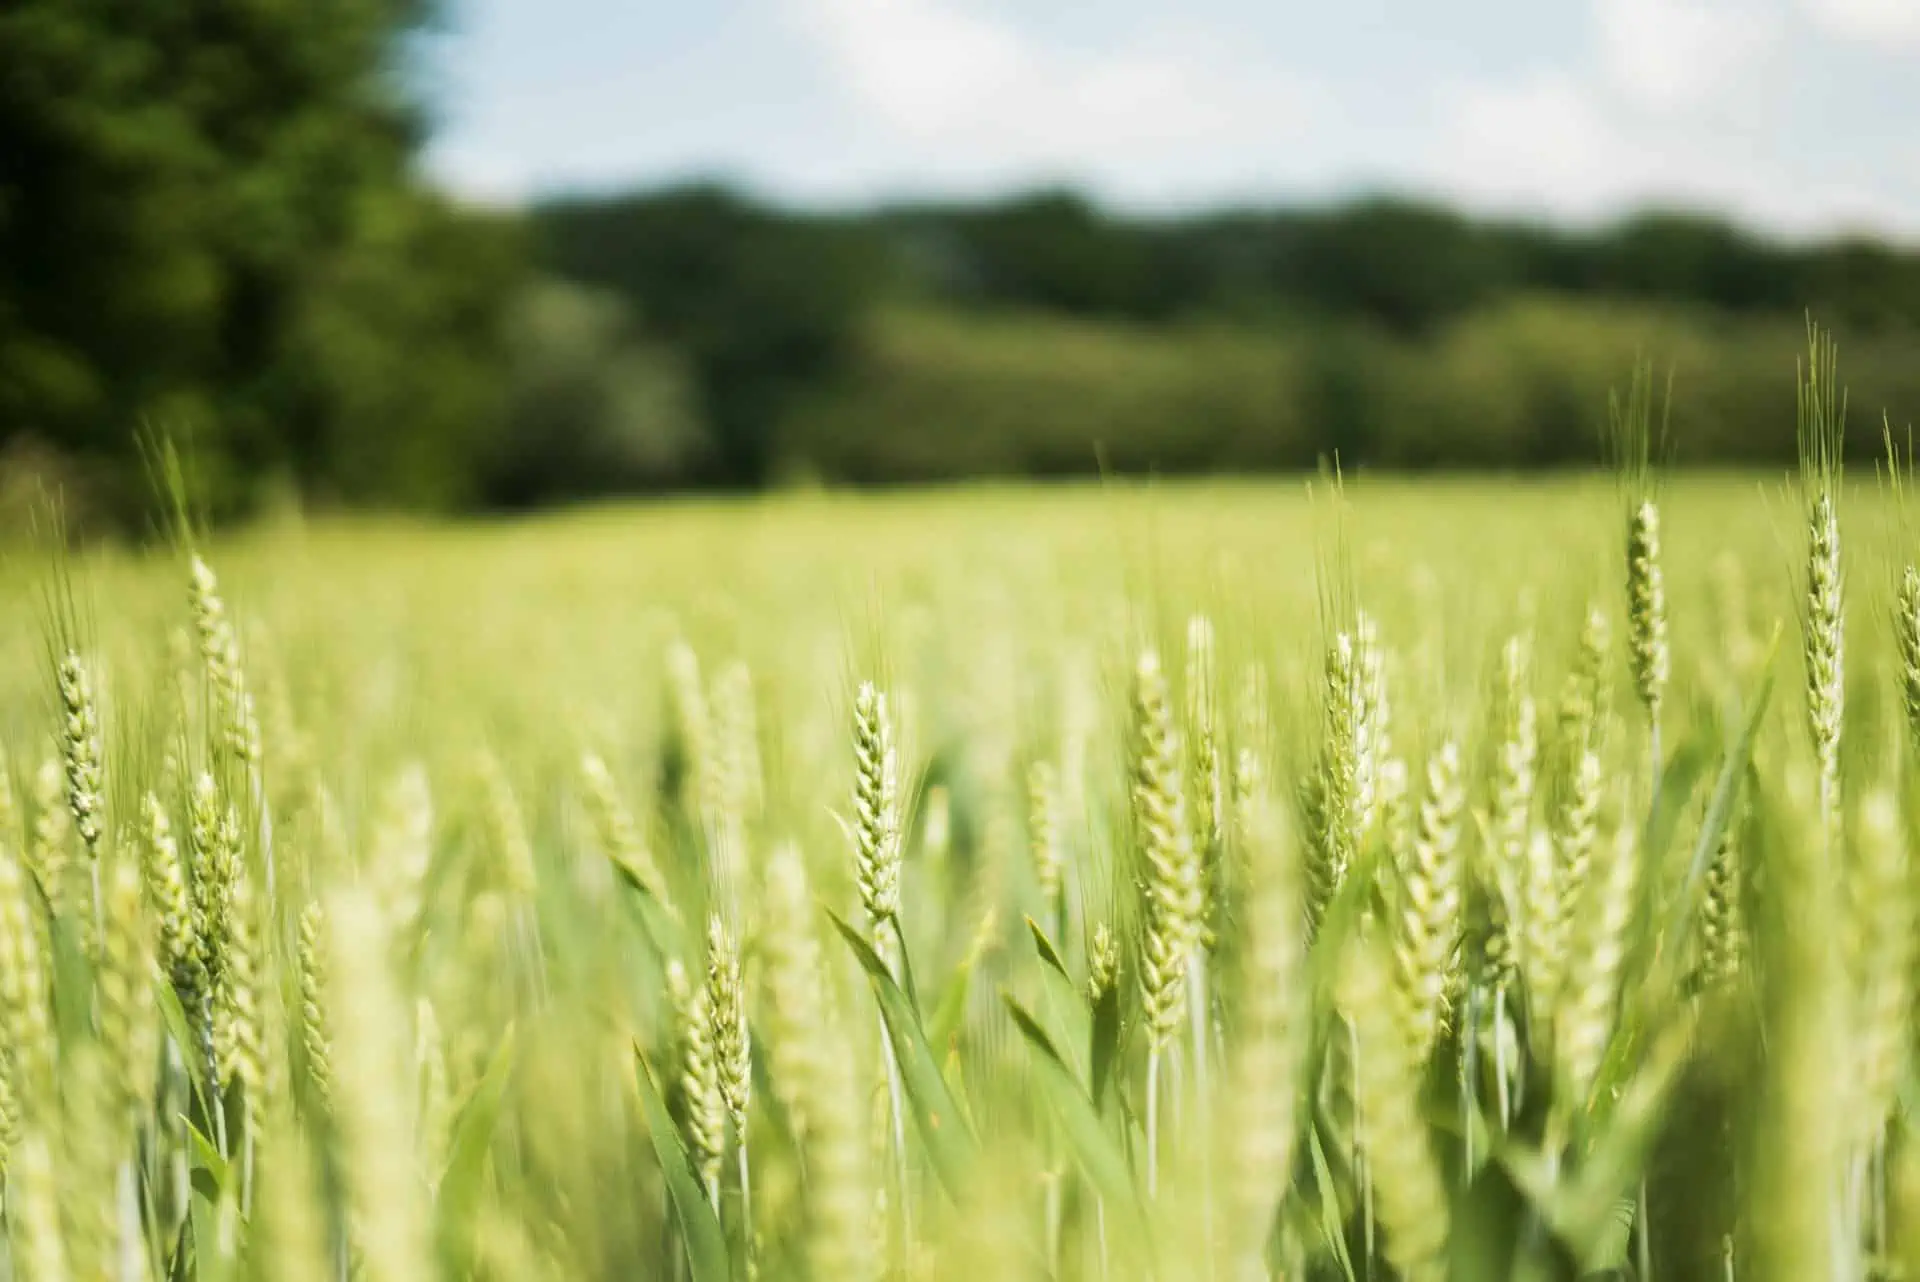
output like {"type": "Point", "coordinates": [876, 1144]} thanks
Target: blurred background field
{"type": "Point", "coordinates": [546, 629]}
{"type": "Point", "coordinates": [378, 641]}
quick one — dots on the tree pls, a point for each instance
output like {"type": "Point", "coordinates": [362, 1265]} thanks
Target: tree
{"type": "Point", "coordinates": [183, 188]}
{"type": "Point", "coordinates": [763, 305]}
{"type": "Point", "coordinates": [595, 407]}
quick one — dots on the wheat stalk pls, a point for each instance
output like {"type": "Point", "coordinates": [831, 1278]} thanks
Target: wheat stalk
{"type": "Point", "coordinates": [619, 833]}
{"type": "Point", "coordinates": [732, 1043]}
{"type": "Point", "coordinates": [1821, 430]}
{"type": "Point", "coordinates": [402, 848]}
{"type": "Point", "coordinates": [233, 715]}
{"type": "Point", "coordinates": [793, 1001]}
{"type": "Point", "coordinates": [1044, 840]}
{"type": "Point", "coordinates": [1906, 632]}
{"type": "Point", "coordinates": [129, 966]}
{"type": "Point", "coordinates": [876, 810]}
{"type": "Point", "coordinates": [81, 753]}
{"type": "Point", "coordinates": [1584, 1020]}
{"type": "Point", "coordinates": [1404, 1180]}
{"type": "Point", "coordinates": [703, 1108]}
{"type": "Point", "coordinates": [31, 1050]}
{"type": "Point", "coordinates": [1170, 877]}
{"type": "Point", "coordinates": [840, 1192]}
{"type": "Point", "coordinates": [388, 1221]}
{"type": "Point", "coordinates": [315, 1036]}
{"type": "Point", "coordinates": [1881, 955]}
{"type": "Point", "coordinates": [1429, 917]}
{"type": "Point", "coordinates": [1723, 927]}
{"type": "Point", "coordinates": [1271, 1037]}
{"type": "Point", "coordinates": [877, 859]}
{"type": "Point", "coordinates": [39, 1247]}
{"type": "Point", "coordinates": [50, 847]}
{"type": "Point", "coordinates": [507, 830]}
{"type": "Point", "coordinates": [1339, 794]}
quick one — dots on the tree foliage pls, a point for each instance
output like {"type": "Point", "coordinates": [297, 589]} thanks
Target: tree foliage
{"type": "Point", "coordinates": [762, 304]}
{"type": "Point", "coordinates": [208, 223]}
{"type": "Point", "coordinates": [1041, 334]}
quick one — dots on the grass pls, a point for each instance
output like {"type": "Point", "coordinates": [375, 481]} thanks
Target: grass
{"type": "Point", "coordinates": [518, 898]}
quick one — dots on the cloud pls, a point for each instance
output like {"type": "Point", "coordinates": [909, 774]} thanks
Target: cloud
{"type": "Point", "coordinates": [978, 96]}
{"type": "Point", "coordinates": [1552, 143]}
{"type": "Point", "coordinates": [1542, 141]}
{"type": "Point", "coordinates": [1675, 56]}
{"type": "Point", "coordinates": [1880, 23]}
{"type": "Point", "coordinates": [928, 68]}
{"type": "Point", "coordinates": [1670, 106]}
{"type": "Point", "coordinates": [1702, 102]}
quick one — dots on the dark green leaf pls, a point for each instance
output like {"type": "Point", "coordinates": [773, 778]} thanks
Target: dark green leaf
{"type": "Point", "coordinates": [1048, 953]}
{"type": "Point", "coordinates": [1095, 1146]}
{"type": "Point", "coordinates": [952, 1010]}
{"type": "Point", "coordinates": [180, 1261]}
{"type": "Point", "coordinates": [908, 986]}
{"type": "Point", "coordinates": [215, 1217]}
{"type": "Point", "coordinates": [1500, 1233]}
{"type": "Point", "coordinates": [215, 1212]}
{"type": "Point", "coordinates": [1647, 999]}
{"type": "Point", "coordinates": [699, 1226]}
{"type": "Point", "coordinates": [1609, 1252]}
{"type": "Point", "coordinates": [1719, 810]}
{"type": "Point", "coordinates": [467, 1154]}
{"type": "Point", "coordinates": [1341, 917]}
{"type": "Point", "coordinates": [657, 921]}
{"type": "Point", "coordinates": [1066, 1002]}
{"type": "Point", "coordinates": [1622, 1138]}
{"type": "Point", "coordinates": [943, 1128]}
{"type": "Point", "coordinates": [72, 981]}
{"type": "Point", "coordinates": [181, 1029]}
{"type": "Point", "coordinates": [1488, 1219]}
{"type": "Point", "coordinates": [1333, 1227]}
{"type": "Point", "coordinates": [1105, 1050]}
{"type": "Point", "coordinates": [208, 1158]}
{"type": "Point", "coordinates": [1679, 776]}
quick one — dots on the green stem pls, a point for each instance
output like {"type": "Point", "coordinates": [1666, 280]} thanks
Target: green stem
{"type": "Point", "coordinates": [1643, 1244]}
{"type": "Point", "coordinates": [1502, 1093]}
{"type": "Point", "coordinates": [899, 1133]}
{"type": "Point", "coordinates": [1642, 1232]}
{"type": "Point", "coordinates": [1100, 1228]}
{"type": "Point", "coordinates": [1153, 1122]}
{"type": "Point", "coordinates": [896, 1096]}
{"type": "Point", "coordinates": [1359, 1156]}
{"type": "Point", "coordinates": [746, 1204]}
{"type": "Point", "coordinates": [1469, 1073]}
{"type": "Point", "coordinates": [1202, 1119]}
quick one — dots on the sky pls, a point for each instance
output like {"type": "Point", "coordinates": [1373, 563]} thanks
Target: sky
{"type": "Point", "coordinates": [1800, 117]}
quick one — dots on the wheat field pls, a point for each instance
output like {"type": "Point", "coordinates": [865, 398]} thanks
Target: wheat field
{"type": "Point", "coordinates": [1387, 879]}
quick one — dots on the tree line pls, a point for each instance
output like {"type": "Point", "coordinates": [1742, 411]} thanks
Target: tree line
{"type": "Point", "coordinates": [213, 226]}
{"type": "Point", "coordinates": [1043, 334]}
